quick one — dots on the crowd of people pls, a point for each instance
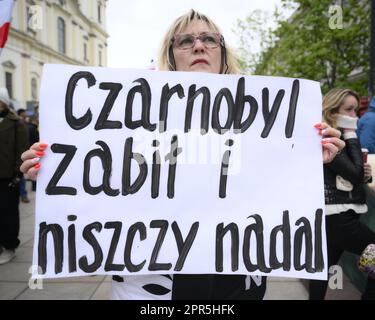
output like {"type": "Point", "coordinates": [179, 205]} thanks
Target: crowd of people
{"type": "Point", "coordinates": [194, 43]}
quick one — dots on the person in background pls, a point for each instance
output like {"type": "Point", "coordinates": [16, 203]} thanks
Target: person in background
{"type": "Point", "coordinates": [23, 191]}
{"type": "Point", "coordinates": [13, 141]}
{"type": "Point", "coordinates": [345, 197]}
{"type": "Point", "coordinates": [366, 128]}
{"type": "Point", "coordinates": [33, 126]}
{"type": "Point", "coordinates": [193, 43]}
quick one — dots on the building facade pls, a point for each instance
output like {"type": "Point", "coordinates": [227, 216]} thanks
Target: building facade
{"type": "Point", "coordinates": [50, 31]}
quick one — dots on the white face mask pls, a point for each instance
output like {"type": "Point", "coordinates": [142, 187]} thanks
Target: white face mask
{"type": "Point", "coordinates": [346, 122]}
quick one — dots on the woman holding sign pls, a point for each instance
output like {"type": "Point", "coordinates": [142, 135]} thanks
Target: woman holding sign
{"type": "Point", "coordinates": [193, 43]}
{"type": "Point", "coordinates": [345, 197]}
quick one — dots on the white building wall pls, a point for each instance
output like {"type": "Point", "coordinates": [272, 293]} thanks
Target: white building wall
{"type": "Point", "coordinates": [27, 50]}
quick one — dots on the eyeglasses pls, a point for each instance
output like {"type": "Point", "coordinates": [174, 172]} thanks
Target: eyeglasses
{"type": "Point", "coordinates": [210, 40]}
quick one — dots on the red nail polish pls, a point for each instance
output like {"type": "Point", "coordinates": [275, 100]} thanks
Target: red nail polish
{"type": "Point", "coordinates": [43, 145]}
{"type": "Point", "coordinates": [39, 153]}
{"type": "Point", "coordinates": [37, 166]}
{"type": "Point", "coordinates": [324, 142]}
{"type": "Point", "coordinates": [318, 126]}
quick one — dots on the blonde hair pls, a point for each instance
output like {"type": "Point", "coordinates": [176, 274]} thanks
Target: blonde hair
{"type": "Point", "coordinates": [229, 63]}
{"type": "Point", "coordinates": [332, 101]}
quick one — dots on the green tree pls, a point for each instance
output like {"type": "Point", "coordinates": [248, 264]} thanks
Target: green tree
{"type": "Point", "coordinates": [255, 37]}
{"type": "Point", "coordinates": [323, 41]}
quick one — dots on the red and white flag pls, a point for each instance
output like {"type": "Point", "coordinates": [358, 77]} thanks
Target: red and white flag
{"type": "Point", "coordinates": [6, 8]}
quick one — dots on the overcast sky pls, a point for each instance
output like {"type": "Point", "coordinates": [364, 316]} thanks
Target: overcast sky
{"type": "Point", "coordinates": [136, 27]}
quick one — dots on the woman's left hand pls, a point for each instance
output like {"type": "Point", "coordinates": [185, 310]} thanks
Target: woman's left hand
{"type": "Point", "coordinates": [331, 141]}
{"type": "Point", "coordinates": [367, 170]}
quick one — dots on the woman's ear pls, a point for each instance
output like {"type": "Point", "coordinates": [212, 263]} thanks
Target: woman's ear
{"type": "Point", "coordinates": [171, 59]}
{"type": "Point", "coordinates": [224, 64]}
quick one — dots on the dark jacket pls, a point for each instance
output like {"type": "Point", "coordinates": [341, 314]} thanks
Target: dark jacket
{"type": "Point", "coordinates": [33, 133]}
{"type": "Point", "coordinates": [348, 164]}
{"type": "Point", "coordinates": [14, 141]}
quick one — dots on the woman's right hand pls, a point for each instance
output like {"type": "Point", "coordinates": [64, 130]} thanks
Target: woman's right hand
{"type": "Point", "coordinates": [30, 165]}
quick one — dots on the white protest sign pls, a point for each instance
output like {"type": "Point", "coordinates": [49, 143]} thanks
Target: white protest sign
{"type": "Point", "coordinates": [177, 172]}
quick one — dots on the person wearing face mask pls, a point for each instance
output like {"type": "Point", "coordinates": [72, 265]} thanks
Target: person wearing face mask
{"type": "Point", "coordinates": [13, 141]}
{"type": "Point", "coordinates": [345, 197]}
{"type": "Point", "coordinates": [193, 43]}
